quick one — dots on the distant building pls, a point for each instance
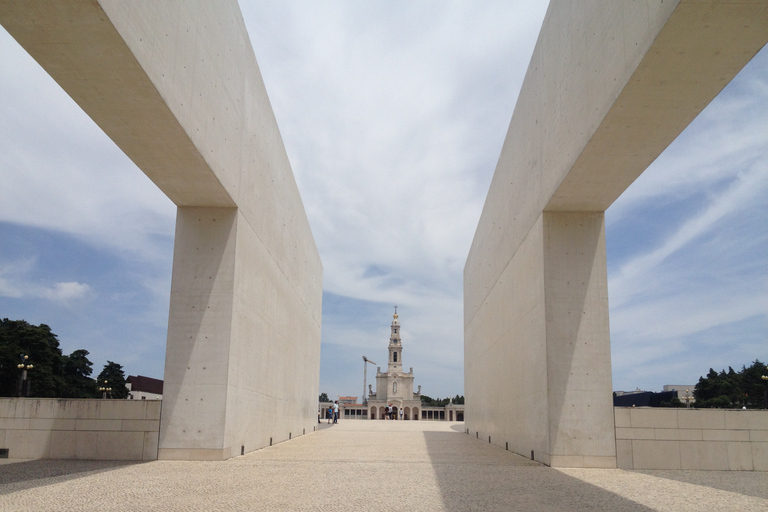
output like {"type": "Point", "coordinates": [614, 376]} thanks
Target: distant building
{"type": "Point", "coordinates": [395, 387]}
{"type": "Point", "coordinates": [144, 388]}
{"type": "Point", "coordinates": [643, 399]}
{"type": "Point", "coordinates": [684, 391]}
{"type": "Point", "coordinates": [636, 391]}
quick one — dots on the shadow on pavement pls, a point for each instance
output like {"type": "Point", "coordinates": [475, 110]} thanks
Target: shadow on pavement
{"type": "Point", "coordinates": [473, 475]}
{"type": "Point", "coordinates": [36, 473]}
{"type": "Point", "coordinates": [750, 483]}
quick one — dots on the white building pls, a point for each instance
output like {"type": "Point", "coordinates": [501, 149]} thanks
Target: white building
{"type": "Point", "coordinates": [144, 388]}
{"type": "Point", "coordinates": [394, 387]}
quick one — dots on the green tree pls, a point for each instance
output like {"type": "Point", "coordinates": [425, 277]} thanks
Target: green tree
{"type": "Point", "coordinates": [434, 402]}
{"type": "Point", "coordinates": [752, 385]}
{"type": "Point", "coordinates": [427, 400]}
{"type": "Point", "coordinates": [112, 376]}
{"type": "Point", "coordinates": [18, 337]}
{"type": "Point", "coordinates": [323, 398]}
{"type": "Point", "coordinates": [731, 388]}
{"type": "Point", "coordinates": [77, 375]}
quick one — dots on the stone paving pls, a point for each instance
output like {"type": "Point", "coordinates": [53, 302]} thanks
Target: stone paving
{"type": "Point", "coordinates": [371, 465]}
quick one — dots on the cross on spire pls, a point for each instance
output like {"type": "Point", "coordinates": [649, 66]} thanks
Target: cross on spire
{"type": "Point", "coordinates": [395, 308]}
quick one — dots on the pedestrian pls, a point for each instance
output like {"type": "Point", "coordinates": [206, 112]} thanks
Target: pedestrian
{"type": "Point", "coordinates": [330, 413]}
{"type": "Point", "coordinates": [336, 411]}
{"type": "Point", "coordinates": [401, 413]}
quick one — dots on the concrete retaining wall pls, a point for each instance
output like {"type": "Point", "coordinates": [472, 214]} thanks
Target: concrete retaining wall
{"type": "Point", "coordinates": [51, 428]}
{"type": "Point", "coordinates": [651, 438]}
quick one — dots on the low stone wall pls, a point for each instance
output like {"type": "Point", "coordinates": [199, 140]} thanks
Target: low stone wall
{"type": "Point", "coordinates": [704, 439]}
{"type": "Point", "coordinates": [50, 428]}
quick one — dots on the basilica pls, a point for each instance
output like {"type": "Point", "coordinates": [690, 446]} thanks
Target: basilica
{"type": "Point", "coordinates": [394, 388]}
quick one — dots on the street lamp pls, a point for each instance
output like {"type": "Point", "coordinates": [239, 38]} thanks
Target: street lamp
{"type": "Point", "coordinates": [765, 378]}
{"type": "Point", "coordinates": [688, 399]}
{"type": "Point", "coordinates": [24, 383]}
{"type": "Point", "coordinates": [104, 389]}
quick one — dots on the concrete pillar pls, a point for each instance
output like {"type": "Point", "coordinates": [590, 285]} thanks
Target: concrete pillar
{"type": "Point", "coordinates": [193, 424]}
{"type": "Point", "coordinates": [577, 341]}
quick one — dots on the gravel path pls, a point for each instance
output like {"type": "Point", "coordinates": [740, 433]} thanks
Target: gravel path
{"type": "Point", "coordinates": [371, 465]}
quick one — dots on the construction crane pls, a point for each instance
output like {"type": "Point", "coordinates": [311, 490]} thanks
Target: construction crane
{"type": "Point", "coordinates": [365, 379]}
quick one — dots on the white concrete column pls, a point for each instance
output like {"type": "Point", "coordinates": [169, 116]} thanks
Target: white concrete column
{"type": "Point", "coordinates": [578, 351]}
{"type": "Point", "coordinates": [199, 335]}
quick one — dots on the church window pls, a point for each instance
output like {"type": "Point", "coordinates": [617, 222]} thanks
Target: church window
{"type": "Point", "coordinates": [394, 356]}
{"type": "Point", "coordinates": [394, 387]}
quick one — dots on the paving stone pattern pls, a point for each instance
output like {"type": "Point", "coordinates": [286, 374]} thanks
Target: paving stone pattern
{"type": "Point", "coordinates": [370, 465]}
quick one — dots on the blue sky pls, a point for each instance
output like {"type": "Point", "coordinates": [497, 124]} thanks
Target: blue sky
{"type": "Point", "coordinates": [393, 116]}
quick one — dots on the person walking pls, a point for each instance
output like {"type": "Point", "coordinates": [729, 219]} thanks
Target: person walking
{"type": "Point", "coordinates": [336, 411]}
{"type": "Point", "coordinates": [401, 413]}
{"type": "Point", "coordinates": [330, 413]}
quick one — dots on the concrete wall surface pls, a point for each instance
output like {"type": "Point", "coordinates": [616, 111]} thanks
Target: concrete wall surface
{"type": "Point", "coordinates": [695, 439]}
{"type": "Point", "coordinates": [609, 86]}
{"type": "Point", "coordinates": [52, 428]}
{"type": "Point", "coordinates": [176, 86]}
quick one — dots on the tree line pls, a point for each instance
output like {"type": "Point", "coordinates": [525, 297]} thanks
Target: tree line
{"type": "Point", "coordinates": [731, 389]}
{"type": "Point", "coordinates": [54, 374]}
{"type": "Point", "coordinates": [441, 402]}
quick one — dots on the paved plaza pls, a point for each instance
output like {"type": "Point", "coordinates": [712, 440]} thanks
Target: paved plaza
{"type": "Point", "coordinates": [371, 465]}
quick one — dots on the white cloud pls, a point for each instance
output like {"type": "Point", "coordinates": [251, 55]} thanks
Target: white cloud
{"type": "Point", "coordinates": [15, 283]}
{"type": "Point", "coordinates": [634, 277]}
{"type": "Point", "coordinates": [65, 292]}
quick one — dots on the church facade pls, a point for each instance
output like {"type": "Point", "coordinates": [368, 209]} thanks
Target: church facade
{"type": "Point", "coordinates": [394, 387]}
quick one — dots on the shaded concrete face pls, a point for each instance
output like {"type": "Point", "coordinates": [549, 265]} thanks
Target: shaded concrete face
{"type": "Point", "coordinates": [55, 428]}
{"type": "Point", "coordinates": [610, 85]}
{"type": "Point", "coordinates": [176, 86]}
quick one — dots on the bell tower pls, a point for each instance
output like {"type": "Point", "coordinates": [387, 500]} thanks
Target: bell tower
{"type": "Point", "coordinates": [395, 365]}
{"type": "Point", "coordinates": [394, 387]}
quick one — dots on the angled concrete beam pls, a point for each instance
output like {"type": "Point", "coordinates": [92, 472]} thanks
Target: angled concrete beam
{"type": "Point", "coordinates": [176, 86]}
{"type": "Point", "coordinates": [75, 42]}
{"type": "Point", "coordinates": [609, 87]}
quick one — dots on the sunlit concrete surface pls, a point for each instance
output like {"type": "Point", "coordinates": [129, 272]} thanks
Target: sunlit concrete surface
{"type": "Point", "coordinates": [176, 86]}
{"type": "Point", "coordinates": [371, 465]}
{"type": "Point", "coordinates": [610, 85]}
